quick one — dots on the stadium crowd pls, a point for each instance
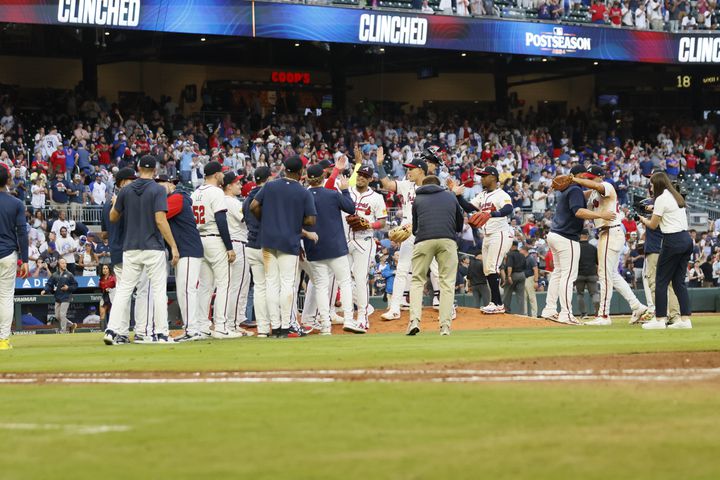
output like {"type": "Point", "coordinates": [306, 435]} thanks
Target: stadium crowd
{"type": "Point", "coordinates": [659, 15]}
{"type": "Point", "coordinates": [63, 162]}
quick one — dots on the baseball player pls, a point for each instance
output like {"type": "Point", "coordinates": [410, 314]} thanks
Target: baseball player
{"type": "Point", "coordinates": [239, 270]}
{"type": "Point", "coordinates": [405, 189]}
{"type": "Point", "coordinates": [602, 198]}
{"type": "Point", "coordinates": [13, 245]}
{"type": "Point", "coordinates": [115, 232]}
{"type": "Point", "coordinates": [330, 251]}
{"type": "Point", "coordinates": [254, 256]}
{"type": "Point", "coordinates": [142, 207]}
{"type": "Point", "coordinates": [564, 242]}
{"type": "Point", "coordinates": [210, 211]}
{"type": "Point", "coordinates": [187, 273]}
{"type": "Point", "coordinates": [283, 206]}
{"type": "Point", "coordinates": [497, 234]}
{"type": "Point", "coordinates": [369, 205]}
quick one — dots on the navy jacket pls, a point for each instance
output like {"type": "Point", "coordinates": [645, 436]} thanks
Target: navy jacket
{"type": "Point", "coordinates": [182, 225]}
{"type": "Point", "coordinates": [57, 281]}
{"type": "Point", "coordinates": [115, 233]}
{"type": "Point", "coordinates": [436, 214]}
{"type": "Point", "coordinates": [13, 228]}
{"type": "Point", "coordinates": [253, 224]}
{"type": "Point", "coordinates": [329, 226]}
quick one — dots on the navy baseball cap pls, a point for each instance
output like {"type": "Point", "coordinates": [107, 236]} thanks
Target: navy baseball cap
{"type": "Point", "coordinates": [417, 163]}
{"type": "Point", "coordinates": [366, 171]}
{"type": "Point", "coordinates": [147, 161]}
{"type": "Point", "coordinates": [595, 171]}
{"type": "Point", "coordinates": [315, 171]}
{"type": "Point", "coordinates": [262, 174]}
{"type": "Point", "coordinates": [326, 163]}
{"type": "Point", "coordinates": [488, 171]}
{"type": "Point", "coordinates": [578, 170]}
{"type": "Point", "coordinates": [125, 174]}
{"type": "Point", "coordinates": [293, 164]}
{"type": "Point", "coordinates": [212, 168]}
{"type": "Point", "coordinates": [164, 178]}
{"type": "Point", "coordinates": [231, 177]}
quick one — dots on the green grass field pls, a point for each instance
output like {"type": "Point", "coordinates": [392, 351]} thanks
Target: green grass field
{"type": "Point", "coordinates": [359, 430]}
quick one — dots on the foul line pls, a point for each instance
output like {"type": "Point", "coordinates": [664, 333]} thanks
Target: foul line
{"type": "Point", "coordinates": [70, 429]}
{"type": "Point", "coordinates": [368, 375]}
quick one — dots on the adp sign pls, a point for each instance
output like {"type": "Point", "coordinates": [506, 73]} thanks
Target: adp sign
{"type": "Point", "coordinates": [111, 13]}
{"type": "Point", "coordinates": [31, 283]}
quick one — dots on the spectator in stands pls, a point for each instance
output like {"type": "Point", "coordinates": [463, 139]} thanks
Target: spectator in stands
{"type": "Point", "coordinates": [87, 261]}
{"type": "Point", "coordinates": [598, 12]}
{"type": "Point", "coordinates": [99, 192]}
{"type": "Point", "coordinates": [641, 21]}
{"type": "Point", "coordinates": [40, 269]}
{"type": "Point", "coordinates": [67, 246]}
{"type": "Point", "coordinates": [615, 15]}
{"type": "Point", "coordinates": [695, 275]}
{"type": "Point", "coordinates": [655, 14]}
{"type": "Point", "coordinates": [50, 257]}
{"type": "Point", "coordinates": [76, 195]}
{"type": "Point", "coordinates": [58, 192]}
{"type": "Point", "coordinates": [544, 11]}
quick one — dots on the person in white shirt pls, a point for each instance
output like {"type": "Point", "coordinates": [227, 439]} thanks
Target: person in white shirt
{"type": "Point", "coordinates": [641, 18]}
{"type": "Point", "coordinates": [39, 192]}
{"type": "Point", "coordinates": [655, 15]}
{"type": "Point", "coordinates": [240, 268]}
{"type": "Point", "coordinates": [677, 247]}
{"type": "Point", "coordinates": [67, 246]}
{"type": "Point", "coordinates": [50, 142]}
{"type": "Point", "coordinates": [99, 192]}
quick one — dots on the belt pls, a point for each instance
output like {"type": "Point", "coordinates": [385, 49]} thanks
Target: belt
{"type": "Point", "coordinates": [209, 235]}
{"type": "Point", "coordinates": [239, 241]}
{"type": "Point", "coordinates": [607, 227]}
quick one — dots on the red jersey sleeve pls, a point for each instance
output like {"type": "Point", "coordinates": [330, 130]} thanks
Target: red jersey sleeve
{"type": "Point", "coordinates": [175, 205]}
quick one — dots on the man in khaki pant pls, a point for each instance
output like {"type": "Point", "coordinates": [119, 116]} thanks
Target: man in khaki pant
{"type": "Point", "coordinates": [532, 275]}
{"type": "Point", "coordinates": [437, 218]}
{"type": "Point", "coordinates": [649, 271]}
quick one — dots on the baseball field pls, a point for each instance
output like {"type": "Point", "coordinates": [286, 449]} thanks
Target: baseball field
{"type": "Point", "coordinates": [521, 401]}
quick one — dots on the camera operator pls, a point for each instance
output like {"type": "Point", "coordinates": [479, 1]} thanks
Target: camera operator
{"type": "Point", "coordinates": [677, 246]}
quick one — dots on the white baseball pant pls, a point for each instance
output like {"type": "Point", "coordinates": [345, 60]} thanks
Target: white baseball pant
{"type": "Point", "coordinates": [143, 312]}
{"type": "Point", "coordinates": [321, 271]}
{"type": "Point", "coordinates": [134, 261]}
{"type": "Point", "coordinates": [494, 248]}
{"type": "Point", "coordinates": [566, 255]}
{"type": "Point", "coordinates": [144, 318]}
{"type": "Point", "coordinates": [187, 278]}
{"type": "Point", "coordinates": [609, 246]}
{"type": "Point", "coordinates": [281, 272]}
{"type": "Point", "coordinates": [239, 286]}
{"type": "Point", "coordinates": [361, 255]}
{"type": "Point", "coordinates": [214, 275]}
{"type": "Point", "coordinates": [402, 274]}
{"type": "Point", "coordinates": [255, 260]}
{"type": "Point", "coordinates": [8, 271]}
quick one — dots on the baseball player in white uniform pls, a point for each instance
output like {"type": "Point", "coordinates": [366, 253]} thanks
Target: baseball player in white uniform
{"type": "Point", "coordinates": [405, 189]}
{"type": "Point", "coordinates": [369, 205]}
{"type": "Point", "coordinates": [240, 268]}
{"type": "Point", "coordinates": [497, 234]}
{"type": "Point", "coordinates": [601, 197]}
{"type": "Point", "coordinates": [210, 211]}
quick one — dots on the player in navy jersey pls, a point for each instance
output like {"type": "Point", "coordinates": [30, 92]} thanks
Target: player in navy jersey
{"type": "Point", "coordinates": [187, 272]}
{"type": "Point", "coordinates": [13, 246]}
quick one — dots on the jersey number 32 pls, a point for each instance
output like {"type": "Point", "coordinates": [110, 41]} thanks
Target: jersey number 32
{"type": "Point", "coordinates": [199, 212]}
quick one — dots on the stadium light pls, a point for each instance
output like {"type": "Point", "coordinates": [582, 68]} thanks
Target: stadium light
{"type": "Point", "coordinates": [463, 54]}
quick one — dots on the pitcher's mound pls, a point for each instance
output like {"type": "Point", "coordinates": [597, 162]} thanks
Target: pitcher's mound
{"type": "Point", "coordinates": [467, 319]}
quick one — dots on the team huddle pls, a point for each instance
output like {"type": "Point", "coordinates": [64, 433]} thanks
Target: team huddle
{"type": "Point", "coordinates": [219, 244]}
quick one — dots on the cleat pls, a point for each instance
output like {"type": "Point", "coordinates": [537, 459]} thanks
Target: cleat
{"type": "Point", "coordinates": [680, 325]}
{"type": "Point", "coordinates": [242, 332]}
{"type": "Point", "coordinates": [294, 333]}
{"type": "Point", "coordinates": [336, 319]}
{"type": "Point", "coordinates": [112, 338]}
{"type": "Point", "coordinates": [600, 321]}
{"type": "Point", "coordinates": [225, 335]}
{"type": "Point", "coordinates": [139, 338]}
{"type": "Point", "coordinates": [248, 324]}
{"type": "Point", "coordinates": [72, 327]}
{"type": "Point", "coordinates": [5, 344]}
{"type": "Point", "coordinates": [389, 316]}
{"type": "Point", "coordinates": [413, 328]}
{"type": "Point", "coordinates": [444, 330]}
{"type": "Point", "coordinates": [354, 328]}
{"type": "Point", "coordinates": [654, 325]}
{"type": "Point", "coordinates": [553, 317]}
{"type": "Point", "coordinates": [492, 309]}
{"type": "Point", "coordinates": [194, 337]}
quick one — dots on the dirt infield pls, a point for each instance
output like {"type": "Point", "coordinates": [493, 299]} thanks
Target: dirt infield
{"type": "Point", "coordinates": [467, 319]}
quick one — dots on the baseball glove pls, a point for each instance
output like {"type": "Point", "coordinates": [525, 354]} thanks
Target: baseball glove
{"type": "Point", "coordinates": [561, 182]}
{"type": "Point", "coordinates": [357, 223]}
{"type": "Point", "coordinates": [479, 219]}
{"type": "Point", "coordinates": [399, 234]}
